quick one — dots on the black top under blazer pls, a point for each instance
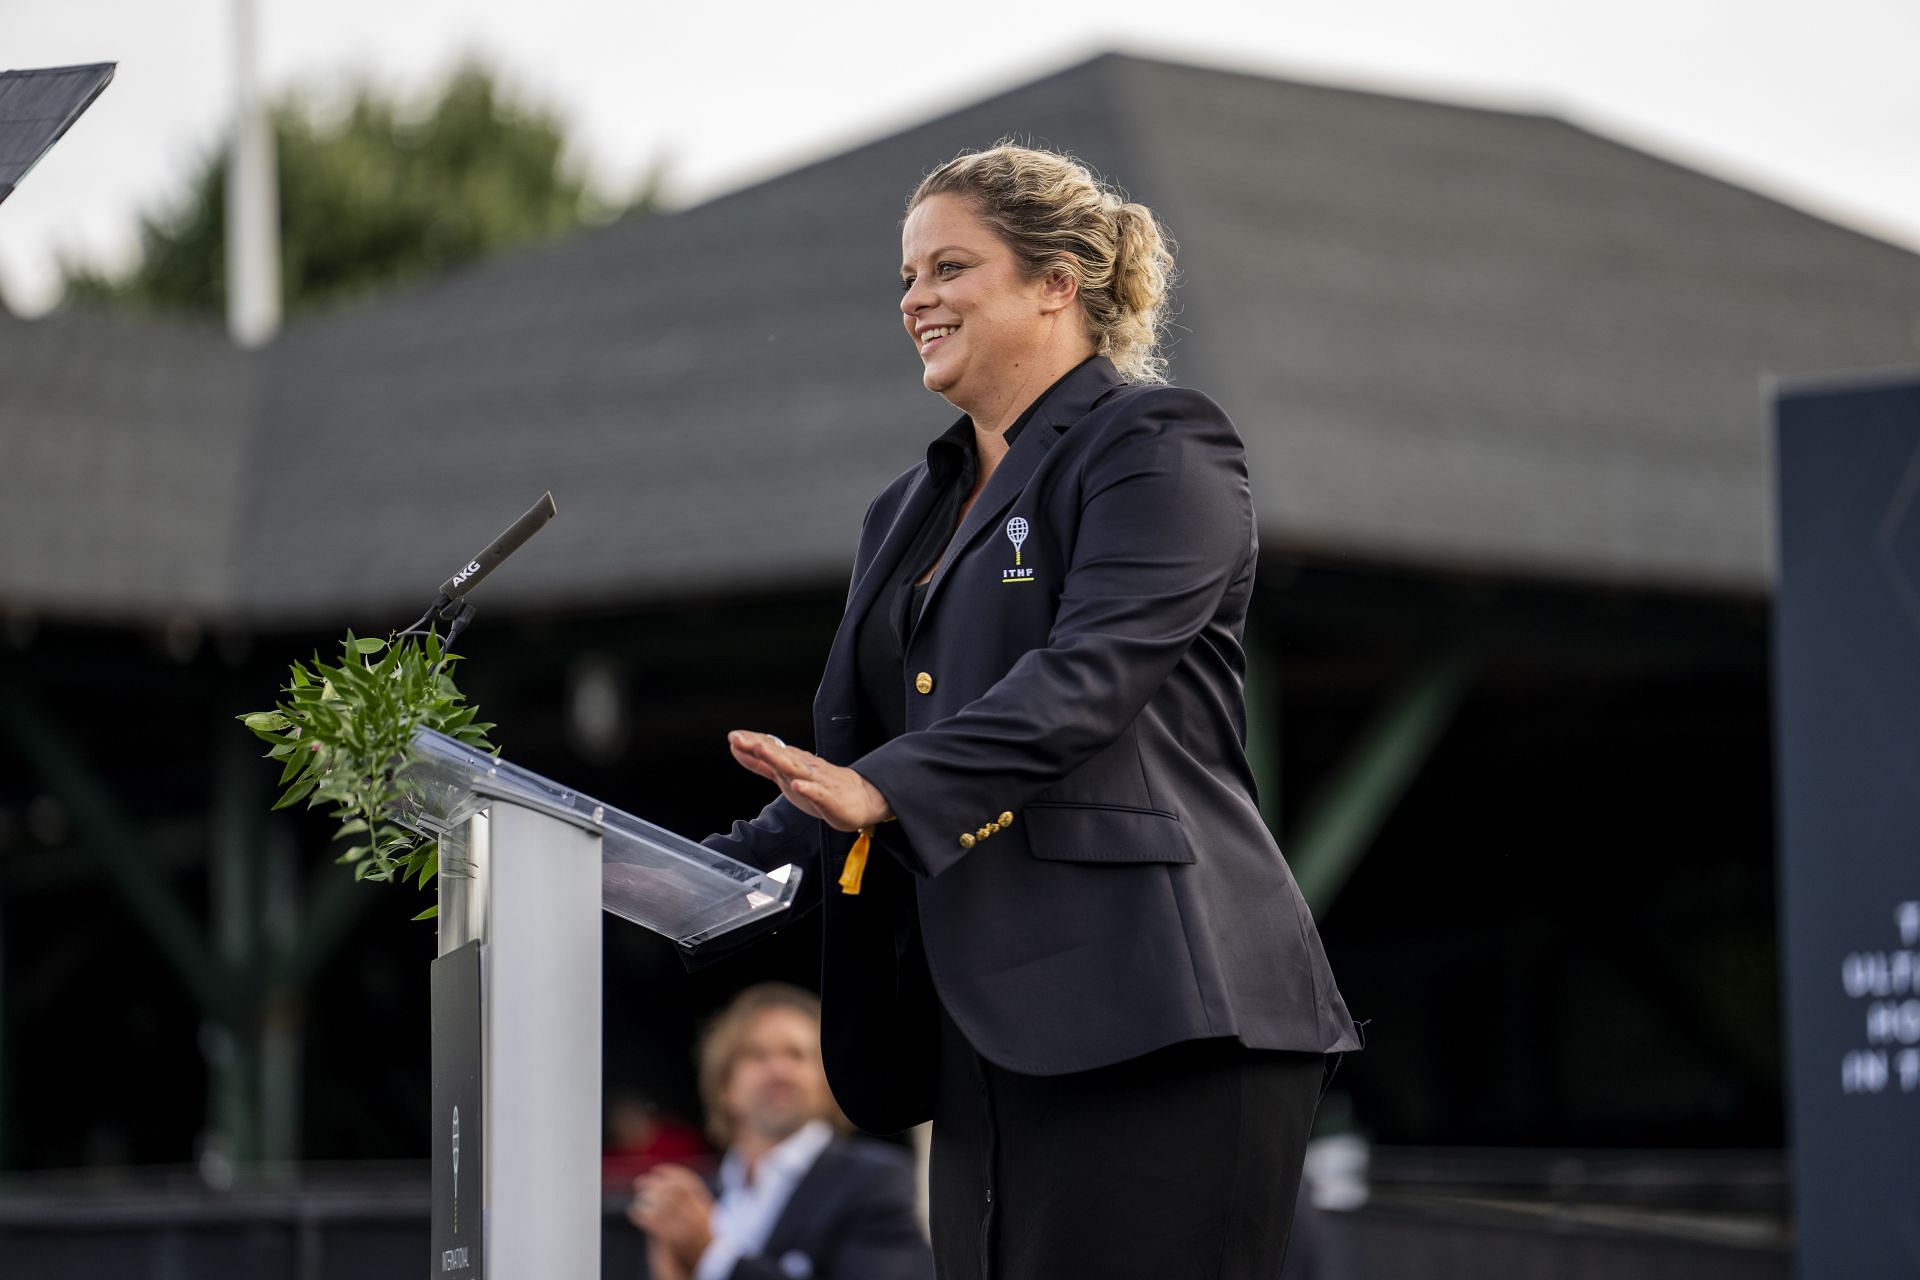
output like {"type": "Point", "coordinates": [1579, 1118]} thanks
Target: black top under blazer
{"type": "Point", "coordinates": [1079, 854]}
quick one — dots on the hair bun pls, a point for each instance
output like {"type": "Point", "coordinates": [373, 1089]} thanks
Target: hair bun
{"type": "Point", "coordinates": [1052, 212]}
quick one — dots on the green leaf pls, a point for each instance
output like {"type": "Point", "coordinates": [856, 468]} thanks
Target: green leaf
{"type": "Point", "coordinates": [430, 913]}
{"type": "Point", "coordinates": [343, 739]}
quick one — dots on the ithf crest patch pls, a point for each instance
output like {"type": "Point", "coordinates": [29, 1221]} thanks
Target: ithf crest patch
{"type": "Point", "coordinates": [1017, 534]}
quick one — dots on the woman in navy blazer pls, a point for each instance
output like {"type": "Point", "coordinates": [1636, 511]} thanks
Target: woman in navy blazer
{"type": "Point", "coordinates": [1059, 927]}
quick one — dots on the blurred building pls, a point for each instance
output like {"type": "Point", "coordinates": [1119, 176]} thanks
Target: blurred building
{"type": "Point", "coordinates": [1503, 384]}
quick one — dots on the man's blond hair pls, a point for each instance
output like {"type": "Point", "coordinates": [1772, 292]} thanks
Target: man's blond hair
{"type": "Point", "coordinates": [721, 1040]}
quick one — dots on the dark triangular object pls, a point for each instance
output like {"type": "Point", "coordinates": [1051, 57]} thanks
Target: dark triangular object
{"type": "Point", "coordinates": [36, 107]}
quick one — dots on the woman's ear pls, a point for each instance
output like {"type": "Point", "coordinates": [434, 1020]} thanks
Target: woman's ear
{"type": "Point", "coordinates": [1058, 290]}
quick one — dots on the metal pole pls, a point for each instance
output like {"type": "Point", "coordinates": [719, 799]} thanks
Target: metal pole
{"type": "Point", "coordinates": [253, 197]}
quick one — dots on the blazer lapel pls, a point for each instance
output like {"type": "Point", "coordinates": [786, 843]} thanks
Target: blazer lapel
{"type": "Point", "coordinates": [836, 698]}
{"type": "Point", "coordinates": [1065, 404]}
{"type": "Point", "coordinates": [1009, 478]}
{"type": "Point", "coordinates": [886, 559]}
{"type": "Point", "coordinates": [799, 1221]}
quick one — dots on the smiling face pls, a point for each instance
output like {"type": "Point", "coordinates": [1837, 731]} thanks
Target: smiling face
{"type": "Point", "coordinates": [984, 331]}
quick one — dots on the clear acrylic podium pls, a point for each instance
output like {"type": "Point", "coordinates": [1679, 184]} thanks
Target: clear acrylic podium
{"type": "Point", "coordinates": [526, 867]}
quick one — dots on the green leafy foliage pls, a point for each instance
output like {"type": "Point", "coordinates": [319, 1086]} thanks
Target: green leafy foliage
{"type": "Point", "coordinates": [374, 195]}
{"type": "Point", "coordinates": [343, 735]}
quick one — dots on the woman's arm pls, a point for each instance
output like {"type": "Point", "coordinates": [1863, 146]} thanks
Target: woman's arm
{"type": "Point", "coordinates": [779, 835]}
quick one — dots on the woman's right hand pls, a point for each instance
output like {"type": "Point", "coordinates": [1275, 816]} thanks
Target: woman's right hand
{"type": "Point", "coordinates": [764, 754]}
{"type": "Point", "coordinates": [833, 793]}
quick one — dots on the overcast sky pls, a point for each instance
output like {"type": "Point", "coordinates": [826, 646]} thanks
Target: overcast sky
{"type": "Point", "coordinates": [1816, 105]}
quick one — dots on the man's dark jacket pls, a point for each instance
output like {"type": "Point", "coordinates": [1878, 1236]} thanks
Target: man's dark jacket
{"type": "Point", "coordinates": [850, 1217]}
{"type": "Point", "coordinates": [1077, 832]}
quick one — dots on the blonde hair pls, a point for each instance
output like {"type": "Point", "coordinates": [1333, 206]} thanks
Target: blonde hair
{"type": "Point", "coordinates": [721, 1040]}
{"type": "Point", "coordinates": [1054, 214]}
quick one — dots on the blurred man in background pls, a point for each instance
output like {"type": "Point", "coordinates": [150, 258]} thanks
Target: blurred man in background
{"type": "Point", "coordinates": [796, 1198]}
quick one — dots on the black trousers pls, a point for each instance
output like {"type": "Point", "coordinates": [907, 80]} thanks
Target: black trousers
{"type": "Point", "coordinates": [1183, 1163]}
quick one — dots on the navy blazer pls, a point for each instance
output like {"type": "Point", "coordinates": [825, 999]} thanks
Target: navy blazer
{"type": "Point", "coordinates": [851, 1217]}
{"type": "Point", "coordinates": [1078, 836]}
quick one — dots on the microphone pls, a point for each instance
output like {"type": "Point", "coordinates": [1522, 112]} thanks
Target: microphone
{"type": "Point", "coordinates": [499, 549]}
{"type": "Point", "coordinates": [454, 589]}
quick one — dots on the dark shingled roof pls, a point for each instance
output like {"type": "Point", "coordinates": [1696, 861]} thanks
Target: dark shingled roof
{"type": "Point", "coordinates": [125, 444]}
{"type": "Point", "coordinates": [1452, 337]}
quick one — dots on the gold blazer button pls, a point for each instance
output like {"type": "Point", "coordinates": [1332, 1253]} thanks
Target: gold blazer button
{"type": "Point", "coordinates": [966, 839]}
{"type": "Point", "coordinates": [923, 682]}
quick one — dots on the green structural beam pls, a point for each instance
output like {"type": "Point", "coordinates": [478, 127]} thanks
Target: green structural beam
{"type": "Point", "coordinates": [234, 903]}
{"type": "Point", "coordinates": [1345, 815]}
{"type": "Point", "coordinates": [249, 964]}
{"type": "Point", "coordinates": [105, 827]}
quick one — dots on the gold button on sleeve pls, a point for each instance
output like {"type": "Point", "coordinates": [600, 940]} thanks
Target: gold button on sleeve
{"type": "Point", "coordinates": [923, 682]}
{"type": "Point", "coordinates": [966, 839]}
{"type": "Point", "coordinates": [1006, 819]}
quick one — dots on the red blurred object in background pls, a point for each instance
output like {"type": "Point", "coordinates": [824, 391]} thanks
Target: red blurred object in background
{"type": "Point", "coordinates": [640, 1135]}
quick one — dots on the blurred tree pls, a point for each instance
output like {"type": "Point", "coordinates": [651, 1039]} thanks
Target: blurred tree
{"type": "Point", "coordinates": [371, 197]}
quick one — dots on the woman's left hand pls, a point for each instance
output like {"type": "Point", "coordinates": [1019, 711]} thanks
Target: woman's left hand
{"type": "Point", "coordinates": [836, 795]}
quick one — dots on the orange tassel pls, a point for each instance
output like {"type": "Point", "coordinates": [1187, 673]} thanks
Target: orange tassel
{"type": "Point", "coordinates": [856, 862]}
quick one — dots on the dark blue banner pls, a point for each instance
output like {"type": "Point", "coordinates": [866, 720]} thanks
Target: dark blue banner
{"type": "Point", "coordinates": [1847, 728]}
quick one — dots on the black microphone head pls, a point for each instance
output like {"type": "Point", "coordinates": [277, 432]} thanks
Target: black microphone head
{"type": "Point", "coordinates": [506, 544]}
